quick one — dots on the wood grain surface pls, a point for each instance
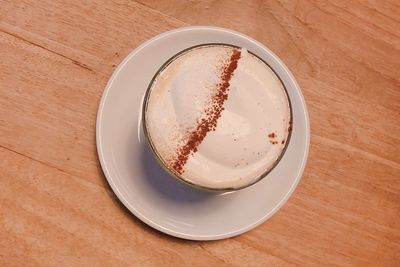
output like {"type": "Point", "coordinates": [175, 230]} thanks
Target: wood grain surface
{"type": "Point", "coordinates": [56, 208]}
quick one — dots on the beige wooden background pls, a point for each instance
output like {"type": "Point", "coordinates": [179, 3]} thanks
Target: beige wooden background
{"type": "Point", "coordinates": [56, 208]}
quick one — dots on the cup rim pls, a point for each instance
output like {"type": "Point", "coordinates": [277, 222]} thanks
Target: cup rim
{"type": "Point", "coordinates": [158, 157]}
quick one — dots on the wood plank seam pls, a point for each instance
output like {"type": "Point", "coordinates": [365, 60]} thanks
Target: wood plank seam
{"type": "Point", "coordinates": [350, 56]}
{"type": "Point", "coordinates": [162, 14]}
{"type": "Point", "coordinates": [80, 64]}
{"type": "Point", "coordinates": [54, 167]}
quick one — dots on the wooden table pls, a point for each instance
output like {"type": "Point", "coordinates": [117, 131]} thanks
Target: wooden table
{"type": "Point", "coordinates": [56, 207]}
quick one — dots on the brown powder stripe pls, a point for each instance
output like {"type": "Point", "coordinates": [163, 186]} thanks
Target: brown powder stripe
{"type": "Point", "coordinates": [213, 113]}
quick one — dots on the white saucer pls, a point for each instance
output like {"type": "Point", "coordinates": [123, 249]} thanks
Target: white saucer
{"type": "Point", "coordinates": [147, 190]}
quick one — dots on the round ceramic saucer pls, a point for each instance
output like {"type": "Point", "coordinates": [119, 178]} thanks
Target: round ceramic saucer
{"type": "Point", "coordinates": [147, 190]}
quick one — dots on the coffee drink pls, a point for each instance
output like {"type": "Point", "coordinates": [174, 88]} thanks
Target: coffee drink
{"type": "Point", "coordinates": [217, 117]}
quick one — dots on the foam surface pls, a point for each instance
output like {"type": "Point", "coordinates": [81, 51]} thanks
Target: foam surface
{"type": "Point", "coordinates": [251, 132]}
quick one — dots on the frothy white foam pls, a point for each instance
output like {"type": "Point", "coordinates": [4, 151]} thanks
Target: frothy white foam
{"type": "Point", "coordinates": [239, 150]}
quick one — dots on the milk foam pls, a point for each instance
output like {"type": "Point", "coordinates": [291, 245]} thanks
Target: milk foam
{"type": "Point", "coordinates": [239, 151]}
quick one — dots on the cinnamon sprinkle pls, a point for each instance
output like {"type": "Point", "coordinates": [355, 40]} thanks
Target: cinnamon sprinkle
{"type": "Point", "coordinates": [213, 113]}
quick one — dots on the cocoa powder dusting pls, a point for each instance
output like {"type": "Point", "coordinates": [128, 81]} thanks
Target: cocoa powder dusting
{"type": "Point", "coordinates": [213, 113]}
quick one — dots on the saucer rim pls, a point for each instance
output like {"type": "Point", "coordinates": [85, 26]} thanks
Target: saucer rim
{"type": "Point", "coordinates": [156, 225]}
